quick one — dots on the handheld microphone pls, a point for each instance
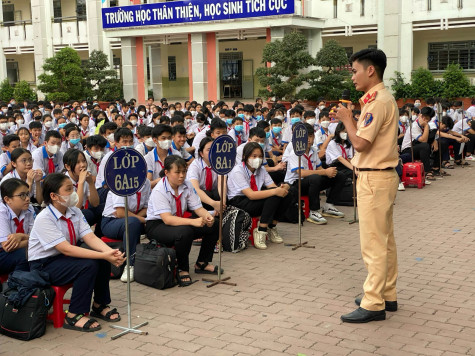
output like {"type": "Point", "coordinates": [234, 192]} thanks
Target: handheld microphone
{"type": "Point", "coordinates": [345, 98]}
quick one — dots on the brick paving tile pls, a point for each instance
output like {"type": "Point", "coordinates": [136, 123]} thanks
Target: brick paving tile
{"type": "Point", "coordinates": [289, 302]}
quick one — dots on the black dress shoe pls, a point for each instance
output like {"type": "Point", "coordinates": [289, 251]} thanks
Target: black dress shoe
{"type": "Point", "coordinates": [361, 315]}
{"type": "Point", "coordinates": [390, 306]}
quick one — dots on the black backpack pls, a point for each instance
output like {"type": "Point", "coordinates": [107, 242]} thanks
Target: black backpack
{"type": "Point", "coordinates": [292, 211]}
{"type": "Point", "coordinates": [236, 225]}
{"type": "Point", "coordinates": [155, 266]}
{"type": "Point", "coordinates": [29, 321]}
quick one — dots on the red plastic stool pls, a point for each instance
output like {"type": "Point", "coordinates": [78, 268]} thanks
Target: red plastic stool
{"type": "Point", "coordinates": [58, 313]}
{"type": "Point", "coordinates": [451, 151]}
{"type": "Point", "coordinates": [413, 174]}
{"type": "Point", "coordinates": [255, 224]}
{"type": "Point", "coordinates": [306, 208]}
{"type": "Point", "coordinates": [3, 278]}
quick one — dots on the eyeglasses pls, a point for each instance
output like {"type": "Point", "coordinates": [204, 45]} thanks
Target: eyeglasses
{"type": "Point", "coordinates": [26, 160]}
{"type": "Point", "coordinates": [23, 195]}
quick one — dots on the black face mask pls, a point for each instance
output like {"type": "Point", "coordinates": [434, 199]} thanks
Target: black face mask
{"type": "Point", "coordinates": [37, 118]}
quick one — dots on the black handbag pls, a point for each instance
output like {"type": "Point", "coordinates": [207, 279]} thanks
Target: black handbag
{"type": "Point", "coordinates": [155, 266]}
{"type": "Point", "coordinates": [28, 321]}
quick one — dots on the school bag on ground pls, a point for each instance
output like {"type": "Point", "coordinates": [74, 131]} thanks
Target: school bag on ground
{"type": "Point", "coordinates": [236, 225]}
{"type": "Point", "coordinates": [155, 266]}
{"type": "Point", "coordinates": [28, 321]}
{"type": "Point", "coordinates": [291, 214]}
{"type": "Point", "coordinates": [342, 192]}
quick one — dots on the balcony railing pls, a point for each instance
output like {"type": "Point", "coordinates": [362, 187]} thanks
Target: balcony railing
{"type": "Point", "coordinates": [17, 33]}
{"type": "Point", "coordinates": [69, 30]}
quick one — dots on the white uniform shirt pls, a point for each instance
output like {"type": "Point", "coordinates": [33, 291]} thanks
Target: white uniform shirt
{"type": "Point", "coordinates": [293, 163]}
{"type": "Point", "coordinates": [142, 149]}
{"type": "Point", "coordinates": [239, 151]}
{"type": "Point", "coordinates": [238, 137]}
{"type": "Point", "coordinates": [332, 127]}
{"type": "Point", "coordinates": [41, 158]}
{"type": "Point", "coordinates": [240, 179]}
{"type": "Point", "coordinates": [182, 152]}
{"type": "Point", "coordinates": [417, 132]}
{"type": "Point", "coordinates": [335, 150]}
{"type": "Point", "coordinates": [275, 139]}
{"type": "Point", "coordinates": [100, 178]}
{"type": "Point", "coordinates": [287, 135]}
{"type": "Point", "coordinates": [14, 174]}
{"type": "Point", "coordinates": [8, 226]}
{"type": "Point", "coordinates": [458, 126]}
{"type": "Point", "coordinates": [5, 159]}
{"type": "Point", "coordinates": [49, 230]}
{"type": "Point", "coordinates": [197, 140]}
{"type": "Point", "coordinates": [154, 163]}
{"type": "Point", "coordinates": [66, 146]}
{"type": "Point", "coordinates": [320, 137]}
{"type": "Point", "coordinates": [471, 111]}
{"type": "Point", "coordinates": [197, 171]}
{"type": "Point", "coordinates": [136, 202]}
{"type": "Point", "coordinates": [162, 199]}
{"type": "Point", "coordinates": [92, 163]}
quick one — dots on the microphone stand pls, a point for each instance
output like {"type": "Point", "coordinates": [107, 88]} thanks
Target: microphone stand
{"type": "Point", "coordinates": [410, 134]}
{"type": "Point", "coordinates": [439, 118]}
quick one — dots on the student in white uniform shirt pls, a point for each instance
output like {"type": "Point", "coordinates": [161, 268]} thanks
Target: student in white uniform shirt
{"type": "Point", "coordinates": [217, 128]}
{"type": "Point", "coordinates": [16, 221]}
{"type": "Point", "coordinates": [146, 143]}
{"type": "Point", "coordinates": [73, 139]}
{"type": "Point", "coordinates": [94, 152]}
{"type": "Point", "coordinates": [25, 139]}
{"type": "Point", "coordinates": [162, 137]}
{"type": "Point", "coordinates": [295, 117]}
{"type": "Point", "coordinates": [54, 248]}
{"type": "Point", "coordinates": [85, 129]}
{"type": "Point", "coordinates": [113, 221]}
{"type": "Point", "coordinates": [314, 179]}
{"type": "Point", "coordinates": [323, 137]}
{"type": "Point", "coordinates": [48, 158]}
{"type": "Point", "coordinates": [245, 191]}
{"type": "Point", "coordinates": [179, 142]}
{"type": "Point", "coordinates": [339, 152]}
{"type": "Point", "coordinates": [205, 181]}
{"type": "Point", "coordinates": [10, 143]}
{"type": "Point", "coordinates": [170, 199]}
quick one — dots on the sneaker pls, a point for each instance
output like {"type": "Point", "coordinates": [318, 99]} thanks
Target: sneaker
{"type": "Point", "coordinates": [428, 182]}
{"type": "Point", "coordinates": [331, 211]}
{"type": "Point", "coordinates": [401, 187]}
{"type": "Point", "coordinates": [274, 235]}
{"type": "Point", "coordinates": [123, 278]}
{"type": "Point", "coordinates": [316, 218]}
{"type": "Point", "coordinates": [259, 239]}
{"type": "Point", "coordinates": [470, 158]}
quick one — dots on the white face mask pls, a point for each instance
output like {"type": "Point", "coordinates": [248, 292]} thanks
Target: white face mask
{"type": "Point", "coordinates": [343, 136]}
{"type": "Point", "coordinates": [110, 137]}
{"type": "Point", "coordinates": [417, 105]}
{"type": "Point", "coordinates": [69, 200]}
{"type": "Point", "coordinates": [403, 119]}
{"type": "Point", "coordinates": [279, 117]}
{"type": "Point", "coordinates": [48, 124]}
{"type": "Point", "coordinates": [325, 124]}
{"type": "Point", "coordinates": [254, 162]}
{"type": "Point", "coordinates": [3, 126]}
{"type": "Point", "coordinates": [444, 113]}
{"type": "Point", "coordinates": [165, 145]}
{"type": "Point", "coordinates": [133, 122]}
{"type": "Point", "coordinates": [172, 112]}
{"type": "Point", "coordinates": [20, 122]}
{"type": "Point", "coordinates": [149, 142]}
{"type": "Point", "coordinates": [79, 111]}
{"type": "Point", "coordinates": [53, 149]}
{"type": "Point", "coordinates": [142, 113]}
{"type": "Point", "coordinates": [11, 124]}
{"type": "Point", "coordinates": [97, 155]}
{"type": "Point", "coordinates": [414, 117]}
{"type": "Point", "coordinates": [311, 121]}
{"type": "Point", "coordinates": [321, 107]}
{"type": "Point", "coordinates": [73, 120]}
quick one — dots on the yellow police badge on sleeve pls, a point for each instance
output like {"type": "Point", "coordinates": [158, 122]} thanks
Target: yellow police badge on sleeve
{"type": "Point", "coordinates": [368, 119]}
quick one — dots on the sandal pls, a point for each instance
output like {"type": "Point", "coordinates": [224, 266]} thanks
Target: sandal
{"type": "Point", "coordinates": [459, 163]}
{"type": "Point", "coordinates": [203, 270]}
{"type": "Point", "coordinates": [447, 165]}
{"type": "Point", "coordinates": [180, 279]}
{"type": "Point", "coordinates": [70, 324]}
{"type": "Point", "coordinates": [430, 176]}
{"type": "Point", "coordinates": [96, 312]}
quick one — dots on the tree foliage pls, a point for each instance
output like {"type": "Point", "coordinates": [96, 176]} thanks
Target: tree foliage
{"type": "Point", "coordinates": [6, 90]}
{"type": "Point", "coordinates": [288, 57]}
{"type": "Point", "coordinates": [63, 75]}
{"type": "Point", "coordinates": [23, 92]}
{"type": "Point", "coordinates": [400, 88]}
{"type": "Point", "coordinates": [102, 82]}
{"type": "Point", "coordinates": [331, 78]}
{"type": "Point", "coordinates": [456, 84]}
{"type": "Point", "coordinates": [423, 84]}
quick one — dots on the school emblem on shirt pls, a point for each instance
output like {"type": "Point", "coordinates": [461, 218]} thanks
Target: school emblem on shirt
{"type": "Point", "coordinates": [370, 97]}
{"type": "Point", "coordinates": [368, 119]}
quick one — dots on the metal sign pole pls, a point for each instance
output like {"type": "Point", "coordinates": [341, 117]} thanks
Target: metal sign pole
{"type": "Point", "coordinates": [439, 117]}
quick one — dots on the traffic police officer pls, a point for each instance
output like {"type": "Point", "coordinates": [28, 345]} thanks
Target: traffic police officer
{"type": "Point", "coordinates": [374, 138]}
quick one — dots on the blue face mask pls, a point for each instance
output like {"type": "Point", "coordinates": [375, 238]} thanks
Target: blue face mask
{"type": "Point", "coordinates": [62, 125]}
{"type": "Point", "coordinates": [22, 109]}
{"type": "Point", "coordinates": [294, 120]}
{"type": "Point", "coordinates": [277, 129]}
{"type": "Point", "coordinates": [267, 134]}
{"type": "Point", "coordinates": [241, 116]}
{"type": "Point", "coordinates": [75, 141]}
{"type": "Point", "coordinates": [238, 128]}
{"type": "Point", "coordinates": [263, 145]}
{"type": "Point", "coordinates": [259, 117]}
{"type": "Point", "coordinates": [229, 121]}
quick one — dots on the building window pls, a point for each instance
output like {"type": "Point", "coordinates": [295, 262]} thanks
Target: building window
{"type": "Point", "coordinates": [81, 10]}
{"type": "Point", "coordinates": [113, 3]}
{"type": "Point", "coordinates": [172, 68]}
{"type": "Point", "coordinates": [8, 14]}
{"type": "Point", "coordinates": [362, 8]}
{"type": "Point", "coordinates": [441, 54]}
{"type": "Point", "coordinates": [335, 9]}
{"type": "Point", "coordinates": [13, 73]}
{"type": "Point", "coordinates": [57, 12]}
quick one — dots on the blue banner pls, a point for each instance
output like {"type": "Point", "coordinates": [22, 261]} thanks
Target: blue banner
{"type": "Point", "coordinates": [191, 11]}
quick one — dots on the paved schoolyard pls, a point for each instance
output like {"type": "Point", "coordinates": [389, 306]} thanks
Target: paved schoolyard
{"type": "Point", "coordinates": [289, 302]}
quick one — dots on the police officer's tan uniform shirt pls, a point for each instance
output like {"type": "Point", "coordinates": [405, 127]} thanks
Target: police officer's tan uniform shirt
{"type": "Point", "coordinates": [378, 124]}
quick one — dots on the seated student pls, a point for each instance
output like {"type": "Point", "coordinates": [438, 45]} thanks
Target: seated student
{"type": "Point", "coordinates": [237, 131]}
{"type": "Point", "coordinates": [142, 117]}
{"type": "Point", "coordinates": [310, 118]}
{"type": "Point", "coordinates": [420, 136]}
{"type": "Point", "coordinates": [276, 137]}
{"type": "Point", "coordinates": [113, 221]}
{"type": "Point", "coordinates": [94, 152]}
{"type": "Point", "coordinates": [54, 248]}
{"type": "Point", "coordinates": [279, 114]}
{"type": "Point", "coordinates": [177, 120]}
{"type": "Point", "coordinates": [22, 164]}
{"type": "Point", "coordinates": [249, 120]}
{"type": "Point", "coordinates": [339, 152]}
{"type": "Point", "coordinates": [205, 181]}
{"type": "Point", "coordinates": [459, 130]}
{"type": "Point", "coordinates": [75, 164]}
{"type": "Point", "coordinates": [3, 128]}
{"type": "Point", "coordinates": [323, 137]}
{"type": "Point", "coordinates": [155, 119]}
{"type": "Point", "coordinates": [47, 123]}
{"type": "Point", "coordinates": [164, 120]}
{"type": "Point", "coordinates": [10, 142]}
{"type": "Point", "coordinates": [73, 139]}
{"type": "Point", "coordinates": [179, 143]}
{"type": "Point", "coordinates": [36, 130]}
{"type": "Point", "coordinates": [85, 130]}
{"type": "Point", "coordinates": [48, 158]}
{"type": "Point", "coordinates": [251, 188]}
{"type": "Point", "coordinates": [402, 125]}
{"type": "Point", "coordinates": [470, 134]}
{"type": "Point", "coordinates": [333, 121]}
{"type": "Point", "coordinates": [442, 143]}
{"type": "Point", "coordinates": [146, 143]}
{"type": "Point", "coordinates": [123, 137]}
{"type": "Point", "coordinates": [25, 139]}
{"type": "Point", "coordinates": [107, 131]}
{"type": "Point", "coordinates": [99, 118]}
{"type": "Point", "coordinates": [314, 179]}
{"type": "Point", "coordinates": [119, 120]}
{"type": "Point", "coordinates": [169, 200]}
{"type": "Point", "coordinates": [162, 137]}
{"type": "Point", "coordinates": [16, 221]}
{"type": "Point", "coordinates": [295, 116]}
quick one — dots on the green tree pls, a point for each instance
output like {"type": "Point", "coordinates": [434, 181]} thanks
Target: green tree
{"type": "Point", "coordinates": [6, 90]}
{"type": "Point", "coordinates": [288, 58]}
{"type": "Point", "coordinates": [424, 85]}
{"type": "Point", "coordinates": [400, 88]}
{"type": "Point", "coordinates": [331, 79]}
{"type": "Point", "coordinates": [23, 92]}
{"type": "Point", "coordinates": [63, 76]}
{"type": "Point", "coordinates": [102, 82]}
{"type": "Point", "coordinates": [456, 84]}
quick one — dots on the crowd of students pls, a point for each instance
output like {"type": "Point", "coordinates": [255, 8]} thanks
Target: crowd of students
{"type": "Point", "coordinates": [56, 204]}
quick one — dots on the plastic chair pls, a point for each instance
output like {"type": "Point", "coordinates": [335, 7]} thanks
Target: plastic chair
{"type": "Point", "coordinates": [306, 208]}
{"type": "Point", "coordinates": [58, 313]}
{"type": "Point", "coordinates": [255, 224]}
{"type": "Point", "coordinates": [413, 174]}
